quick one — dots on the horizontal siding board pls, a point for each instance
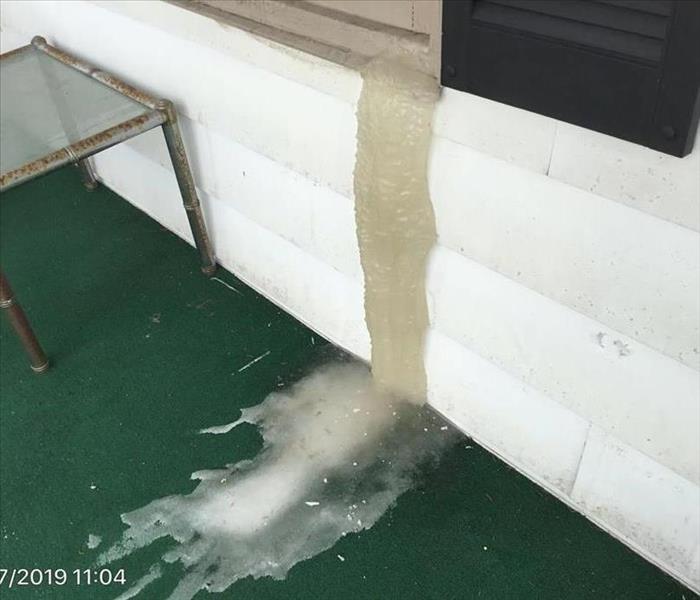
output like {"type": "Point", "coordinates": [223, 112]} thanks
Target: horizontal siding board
{"type": "Point", "coordinates": [504, 132]}
{"type": "Point", "coordinates": [631, 272]}
{"type": "Point", "coordinates": [512, 419]}
{"type": "Point", "coordinates": [328, 301]}
{"type": "Point", "coordinates": [658, 184]}
{"type": "Point", "coordinates": [629, 495]}
{"type": "Point", "coordinates": [651, 506]}
{"type": "Point", "coordinates": [647, 180]}
{"type": "Point", "coordinates": [645, 398]}
{"type": "Point", "coordinates": [315, 218]}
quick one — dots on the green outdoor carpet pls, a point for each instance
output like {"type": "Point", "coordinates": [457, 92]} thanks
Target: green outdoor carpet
{"type": "Point", "coordinates": [145, 351]}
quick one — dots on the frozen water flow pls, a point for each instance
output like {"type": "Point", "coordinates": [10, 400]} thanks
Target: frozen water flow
{"type": "Point", "coordinates": [394, 217]}
{"type": "Point", "coordinates": [325, 470]}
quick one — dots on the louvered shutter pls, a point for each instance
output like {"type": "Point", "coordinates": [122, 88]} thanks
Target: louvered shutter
{"type": "Point", "coordinates": [628, 68]}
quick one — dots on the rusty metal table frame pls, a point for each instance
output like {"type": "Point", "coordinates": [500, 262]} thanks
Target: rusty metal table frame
{"type": "Point", "coordinates": [161, 114]}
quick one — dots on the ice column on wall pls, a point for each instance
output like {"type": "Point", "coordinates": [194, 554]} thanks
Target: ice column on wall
{"type": "Point", "coordinates": [395, 220]}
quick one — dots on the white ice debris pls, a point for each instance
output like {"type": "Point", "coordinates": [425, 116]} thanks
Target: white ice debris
{"type": "Point", "coordinates": [228, 285]}
{"type": "Point", "coordinates": [251, 518]}
{"type": "Point", "coordinates": [252, 362]}
{"type": "Point", "coordinates": [153, 574]}
{"type": "Point", "coordinates": [93, 541]}
{"type": "Point", "coordinates": [218, 429]}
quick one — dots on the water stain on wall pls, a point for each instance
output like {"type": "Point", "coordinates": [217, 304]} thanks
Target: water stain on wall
{"type": "Point", "coordinates": [394, 218]}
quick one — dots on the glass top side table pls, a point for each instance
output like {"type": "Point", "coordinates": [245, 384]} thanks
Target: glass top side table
{"type": "Point", "coordinates": [56, 109]}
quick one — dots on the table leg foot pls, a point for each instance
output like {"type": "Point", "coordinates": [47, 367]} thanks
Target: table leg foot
{"type": "Point", "coordinates": [87, 174]}
{"type": "Point", "coordinates": [41, 368]}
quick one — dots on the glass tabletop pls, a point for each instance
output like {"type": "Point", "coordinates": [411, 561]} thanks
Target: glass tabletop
{"type": "Point", "coordinates": [46, 105]}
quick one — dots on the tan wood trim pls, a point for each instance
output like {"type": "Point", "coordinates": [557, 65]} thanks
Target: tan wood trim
{"type": "Point", "coordinates": [356, 30]}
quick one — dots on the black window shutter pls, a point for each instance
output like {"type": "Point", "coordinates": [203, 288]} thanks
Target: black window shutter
{"type": "Point", "coordinates": [628, 68]}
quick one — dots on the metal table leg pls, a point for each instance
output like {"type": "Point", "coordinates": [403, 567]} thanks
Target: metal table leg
{"type": "Point", "coordinates": [23, 329]}
{"type": "Point", "coordinates": [185, 181]}
{"type": "Point", "coordinates": [87, 174]}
